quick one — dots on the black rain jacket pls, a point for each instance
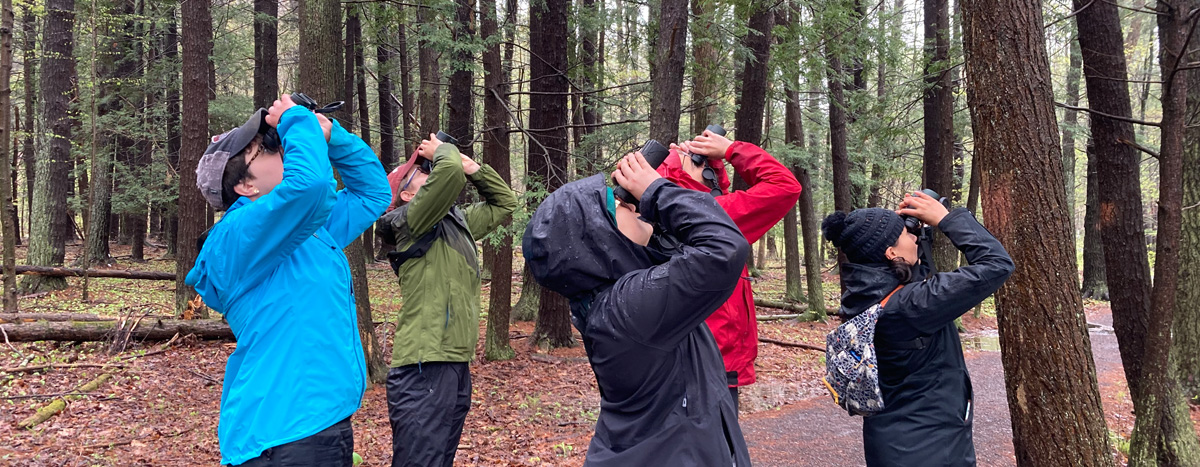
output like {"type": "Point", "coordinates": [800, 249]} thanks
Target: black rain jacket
{"type": "Point", "coordinates": [641, 311]}
{"type": "Point", "coordinates": [927, 414]}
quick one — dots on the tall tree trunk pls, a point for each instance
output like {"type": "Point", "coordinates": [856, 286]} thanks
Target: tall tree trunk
{"type": "Point", "coordinates": [939, 119]}
{"type": "Point", "coordinates": [322, 77]}
{"type": "Point", "coordinates": [794, 135]}
{"type": "Point", "coordinates": [192, 211]}
{"type": "Point", "coordinates": [266, 57]}
{"type": "Point", "coordinates": [49, 219]}
{"type": "Point", "coordinates": [460, 109]}
{"type": "Point", "coordinates": [1186, 345]}
{"type": "Point", "coordinates": [1043, 333]}
{"type": "Point", "coordinates": [408, 112]}
{"type": "Point", "coordinates": [496, 154]}
{"type": "Point", "coordinates": [104, 78]}
{"type": "Point", "coordinates": [748, 120]}
{"type": "Point", "coordinates": [29, 54]}
{"type": "Point", "coordinates": [1095, 285]}
{"type": "Point", "coordinates": [358, 79]}
{"type": "Point", "coordinates": [590, 78]}
{"type": "Point", "coordinates": [1141, 315]}
{"type": "Point", "coordinates": [1070, 120]}
{"type": "Point", "coordinates": [667, 73]}
{"type": "Point", "coordinates": [704, 78]}
{"type": "Point", "coordinates": [171, 56]}
{"type": "Point", "coordinates": [385, 66]}
{"type": "Point", "coordinates": [548, 146]}
{"type": "Point", "coordinates": [131, 86]}
{"type": "Point", "coordinates": [7, 189]}
{"type": "Point", "coordinates": [839, 155]}
{"type": "Point", "coordinates": [427, 62]}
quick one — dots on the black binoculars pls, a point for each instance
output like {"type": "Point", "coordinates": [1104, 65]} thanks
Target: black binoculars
{"type": "Point", "coordinates": [699, 160]}
{"type": "Point", "coordinates": [654, 153]}
{"type": "Point", "coordinates": [302, 100]}
{"type": "Point", "coordinates": [912, 224]}
{"type": "Point", "coordinates": [427, 164]}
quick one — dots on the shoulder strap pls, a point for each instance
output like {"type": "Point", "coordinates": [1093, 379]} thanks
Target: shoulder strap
{"type": "Point", "coordinates": [889, 296]}
{"type": "Point", "coordinates": [416, 250]}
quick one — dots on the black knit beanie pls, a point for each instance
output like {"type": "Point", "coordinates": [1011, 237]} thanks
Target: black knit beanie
{"type": "Point", "coordinates": [864, 234]}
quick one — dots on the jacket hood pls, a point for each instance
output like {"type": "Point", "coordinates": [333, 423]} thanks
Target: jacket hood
{"type": "Point", "coordinates": [866, 285]}
{"type": "Point", "coordinates": [672, 169]}
{"type": "Point", "coordinates": [573, 247]}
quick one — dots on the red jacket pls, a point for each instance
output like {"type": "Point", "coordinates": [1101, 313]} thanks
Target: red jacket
{"type": "Point", "coordinates": [773, 192]}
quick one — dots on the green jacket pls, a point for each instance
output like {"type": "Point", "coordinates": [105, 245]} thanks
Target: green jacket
{"type": "Point", "coordinates": [439, 320]}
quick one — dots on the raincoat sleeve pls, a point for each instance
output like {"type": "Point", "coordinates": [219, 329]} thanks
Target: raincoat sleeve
{"type": "Point", "coordinates": [773, 190]}
{"type": "Point", "coordinates": [661, 305]}
{"type": "Point", "coordinates": [498, 203]}
{"type": "Point", "coordinates": [366, 194]}
{"type": "Point", "coordinates": [936, 301]}
{"type": "Point", "coordinates": [434, 200]}
{"type": "Point", "coordinates": [263, 233]}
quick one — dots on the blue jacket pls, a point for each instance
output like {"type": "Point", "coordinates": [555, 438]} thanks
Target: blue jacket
{"type": "Point", "coordinates": [275, 268]}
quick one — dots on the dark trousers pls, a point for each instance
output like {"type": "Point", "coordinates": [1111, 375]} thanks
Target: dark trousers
{"type": "Point", "coordinates": [427, 405]}
{"type": "Point", "coordinates": [333, 446]}
{"type": "Point", "coordinates": [731, 377]}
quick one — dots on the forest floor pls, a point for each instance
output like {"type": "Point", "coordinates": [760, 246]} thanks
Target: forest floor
{"type": "Point", "coordinates": [162, 408]}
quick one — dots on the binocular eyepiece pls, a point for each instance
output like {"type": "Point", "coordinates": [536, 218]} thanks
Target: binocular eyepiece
{"type": "Point", "coordinates": [302, 99]}
{"type": "Point", "coordinates": [912, 224]}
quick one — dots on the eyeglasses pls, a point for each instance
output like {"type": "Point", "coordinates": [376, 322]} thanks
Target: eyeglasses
{"type": "Point", "coordinates": [424, 167]}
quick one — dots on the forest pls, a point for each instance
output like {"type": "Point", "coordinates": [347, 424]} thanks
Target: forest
{"type": "Point", "coordinates": [1071, 129]}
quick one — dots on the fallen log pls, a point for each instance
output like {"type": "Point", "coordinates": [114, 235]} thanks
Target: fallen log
{"type": "Point", "coordinates": [793, 307]}
{"type": "Point", "coordinates": [76, 272]}
{"type": "Point", "coordinates": [57, 405]}
{"type": "Point", "coordinates": [537, 357]}
{"type": "Point", "coordinates": [28, 317]}
{"type": "Point", "coordinates": [148, 329]}
{"type": "Point", "coordinates": [791, 344]}
{"type": "Point", "coordinates": [779, 317]}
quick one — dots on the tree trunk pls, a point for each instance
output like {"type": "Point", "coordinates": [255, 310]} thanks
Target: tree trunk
{"type": "Point", "coordinates": [1070, 121]}
{"type": "Point", "coordinates": [29, 54]}
{"type": "Point", "coordinates": [385, 66]}
{"type": "Point", "coordinates": [496, 154]}
{"type": "Point", "coordinates": [427, 62]}
{"type": "Point", "coordinates": [8, 219]}
{"type": "Point", "coordinates": [192, 211]}
{"type": "Point", "coordinates": [1186, 344]}
{"type": "Point", "coordinates": [527, 304]}
{"type": "Point", "coordinates": [1095, 285]}
{"type": "Point", "coordinates": [1043, 333]}
{"type": "Point", "coordinates": [590, 78]}
{"type": "Point", "coordinates": [49, 219]}
{"type": "Point", "coordinates": [460, 109]}
{"type": "Point", "coordinates": [149, 329]}
{"type": "Point", "coordinates": [748, 120]}
{"type": "Point", "coordinates": [667, 73]}
{"type": "Point", "coordinates": [547, 159]}
{"type": "Point", "coordinates": [322, 78]}
{"type": "Point", "coordinates": [170, 55]}
{"type": "Point", "coordinates": [367, 239]}
{"type": "Point", "coordinates": [266, 57]}
{"type": "Point", "coordinates": [839, 155]}
{"type": "Point", "coordinates": [407, 115]}
{"type": "Point", "coordinates": [939, 119]}
{"type": "Point", "coordinates": [704, 78]}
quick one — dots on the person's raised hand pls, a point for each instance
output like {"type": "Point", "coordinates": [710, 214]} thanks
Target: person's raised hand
{"type": "Point", "coordinates": [923, 207]}
{"type": "Point", "coordinates": [469, 165]}
{"type": "Point", "coordinates": [428, 146]}
{"type": "Point", "coordinates": [634, 174]}
{"type": "Point", "coordinates": [710, 145]}
{"type": "Point", "coordinates": [278, 108]}
{"type": "Point", "coordinates": [326, 125]}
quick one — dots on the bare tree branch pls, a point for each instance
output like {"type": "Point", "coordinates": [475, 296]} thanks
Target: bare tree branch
{"type": "Point", "coordinates": [1114, 117]}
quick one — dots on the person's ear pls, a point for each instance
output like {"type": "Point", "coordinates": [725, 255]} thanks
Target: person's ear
{"type": "Point", "coordinates": [245, 188]}
{"type": "Point", "coordinates": [406, 196]}
{"type": "Point", "coordinates": [890, 254]}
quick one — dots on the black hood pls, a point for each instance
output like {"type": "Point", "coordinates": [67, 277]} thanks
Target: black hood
{"type": "Point", "coordinates": [572, 245]}
{"type": "Point", "coordinates": [866, 285]}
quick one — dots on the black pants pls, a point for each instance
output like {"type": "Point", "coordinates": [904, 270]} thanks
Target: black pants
{"type": "Point", "coordinates": [333, 446]}
{"type": "Point", "coordinates": [731, 377]}
{"type": "Point", "coordinates": [427, 404]}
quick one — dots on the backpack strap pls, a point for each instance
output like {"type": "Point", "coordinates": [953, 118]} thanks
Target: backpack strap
{"type": "Point", "coordinates": [416, 250]}
{"type": "Point", "coordinates": [915, 344]}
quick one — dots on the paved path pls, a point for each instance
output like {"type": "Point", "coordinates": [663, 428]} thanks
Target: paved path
{"type": "Point", "coordinates": [815, 432]}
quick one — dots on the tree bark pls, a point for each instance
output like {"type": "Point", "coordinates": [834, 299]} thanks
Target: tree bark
{"type": "Point", "coordinates": [793, 135]}
{"type": "Point", "coordinates": [748, 120]}
{"type": "Point", "coordinates": [427, 63]}
{"type": "Point", "coordinates": [460, 108]}
{"type": "Point", "coordinates": [704, 78]}
{"type": "Point", "coordinates": [667, 73]}
{"type": "Point", "coordinates": [839, 155]}
{"type": "Point", "coordinates": [49, 219]}
{"type": "Point", "coordinates": [547, 158]}
{"type": "Point", "coordinates": [197, 48]}
{"type": "Point", "coordinates": [170, 55]}
{"type": "Point", "coordinates": [1095, 285]}
{"type": "Point", "coordinates": [152, 329]}
{"type": "Point", "coordinates": [1043, 333]}
{"type": "Point", "coordinates": [385, 66]}
{"type": "Point", "coordinates": [1070, 121]}
{"type": "Point", "coordinates": [266, 56]}
{"type": "Point", "coordinates": [496, 154]}
{"type": "Point", "coordinates": [407, 114]}
{"type": "Point", "coordinates": [1186, 344]}
{"type": "Point", "coordinates": [29, 54]}
{"type": "Point", "coordinates": [939, 119]}
{"type": "Point", "coordinates": [10, 229]}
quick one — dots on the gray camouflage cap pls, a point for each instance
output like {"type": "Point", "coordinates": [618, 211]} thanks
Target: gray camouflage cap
{"type": "Point", "coordinates": [224, 146]}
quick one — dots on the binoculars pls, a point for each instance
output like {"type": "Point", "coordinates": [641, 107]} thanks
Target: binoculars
{"type": "Point", "coordinates": [912, 224]}
{"type": "Point", "coordinates": [309, 103]}
{"type": "Point", "coordinates": [699, 160]}
{"type": "Point", "coordinates": [655, 153]}
{"type": "Point", "coordinates": [426, 164]}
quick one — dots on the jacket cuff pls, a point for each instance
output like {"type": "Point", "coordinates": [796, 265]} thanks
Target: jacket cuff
{"type": "Point", "coordinates": [955, 217]}
{"type": "Point", "coordinates": [338, 136]}
{"type": "Point", "coordinates": [293, 116]}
